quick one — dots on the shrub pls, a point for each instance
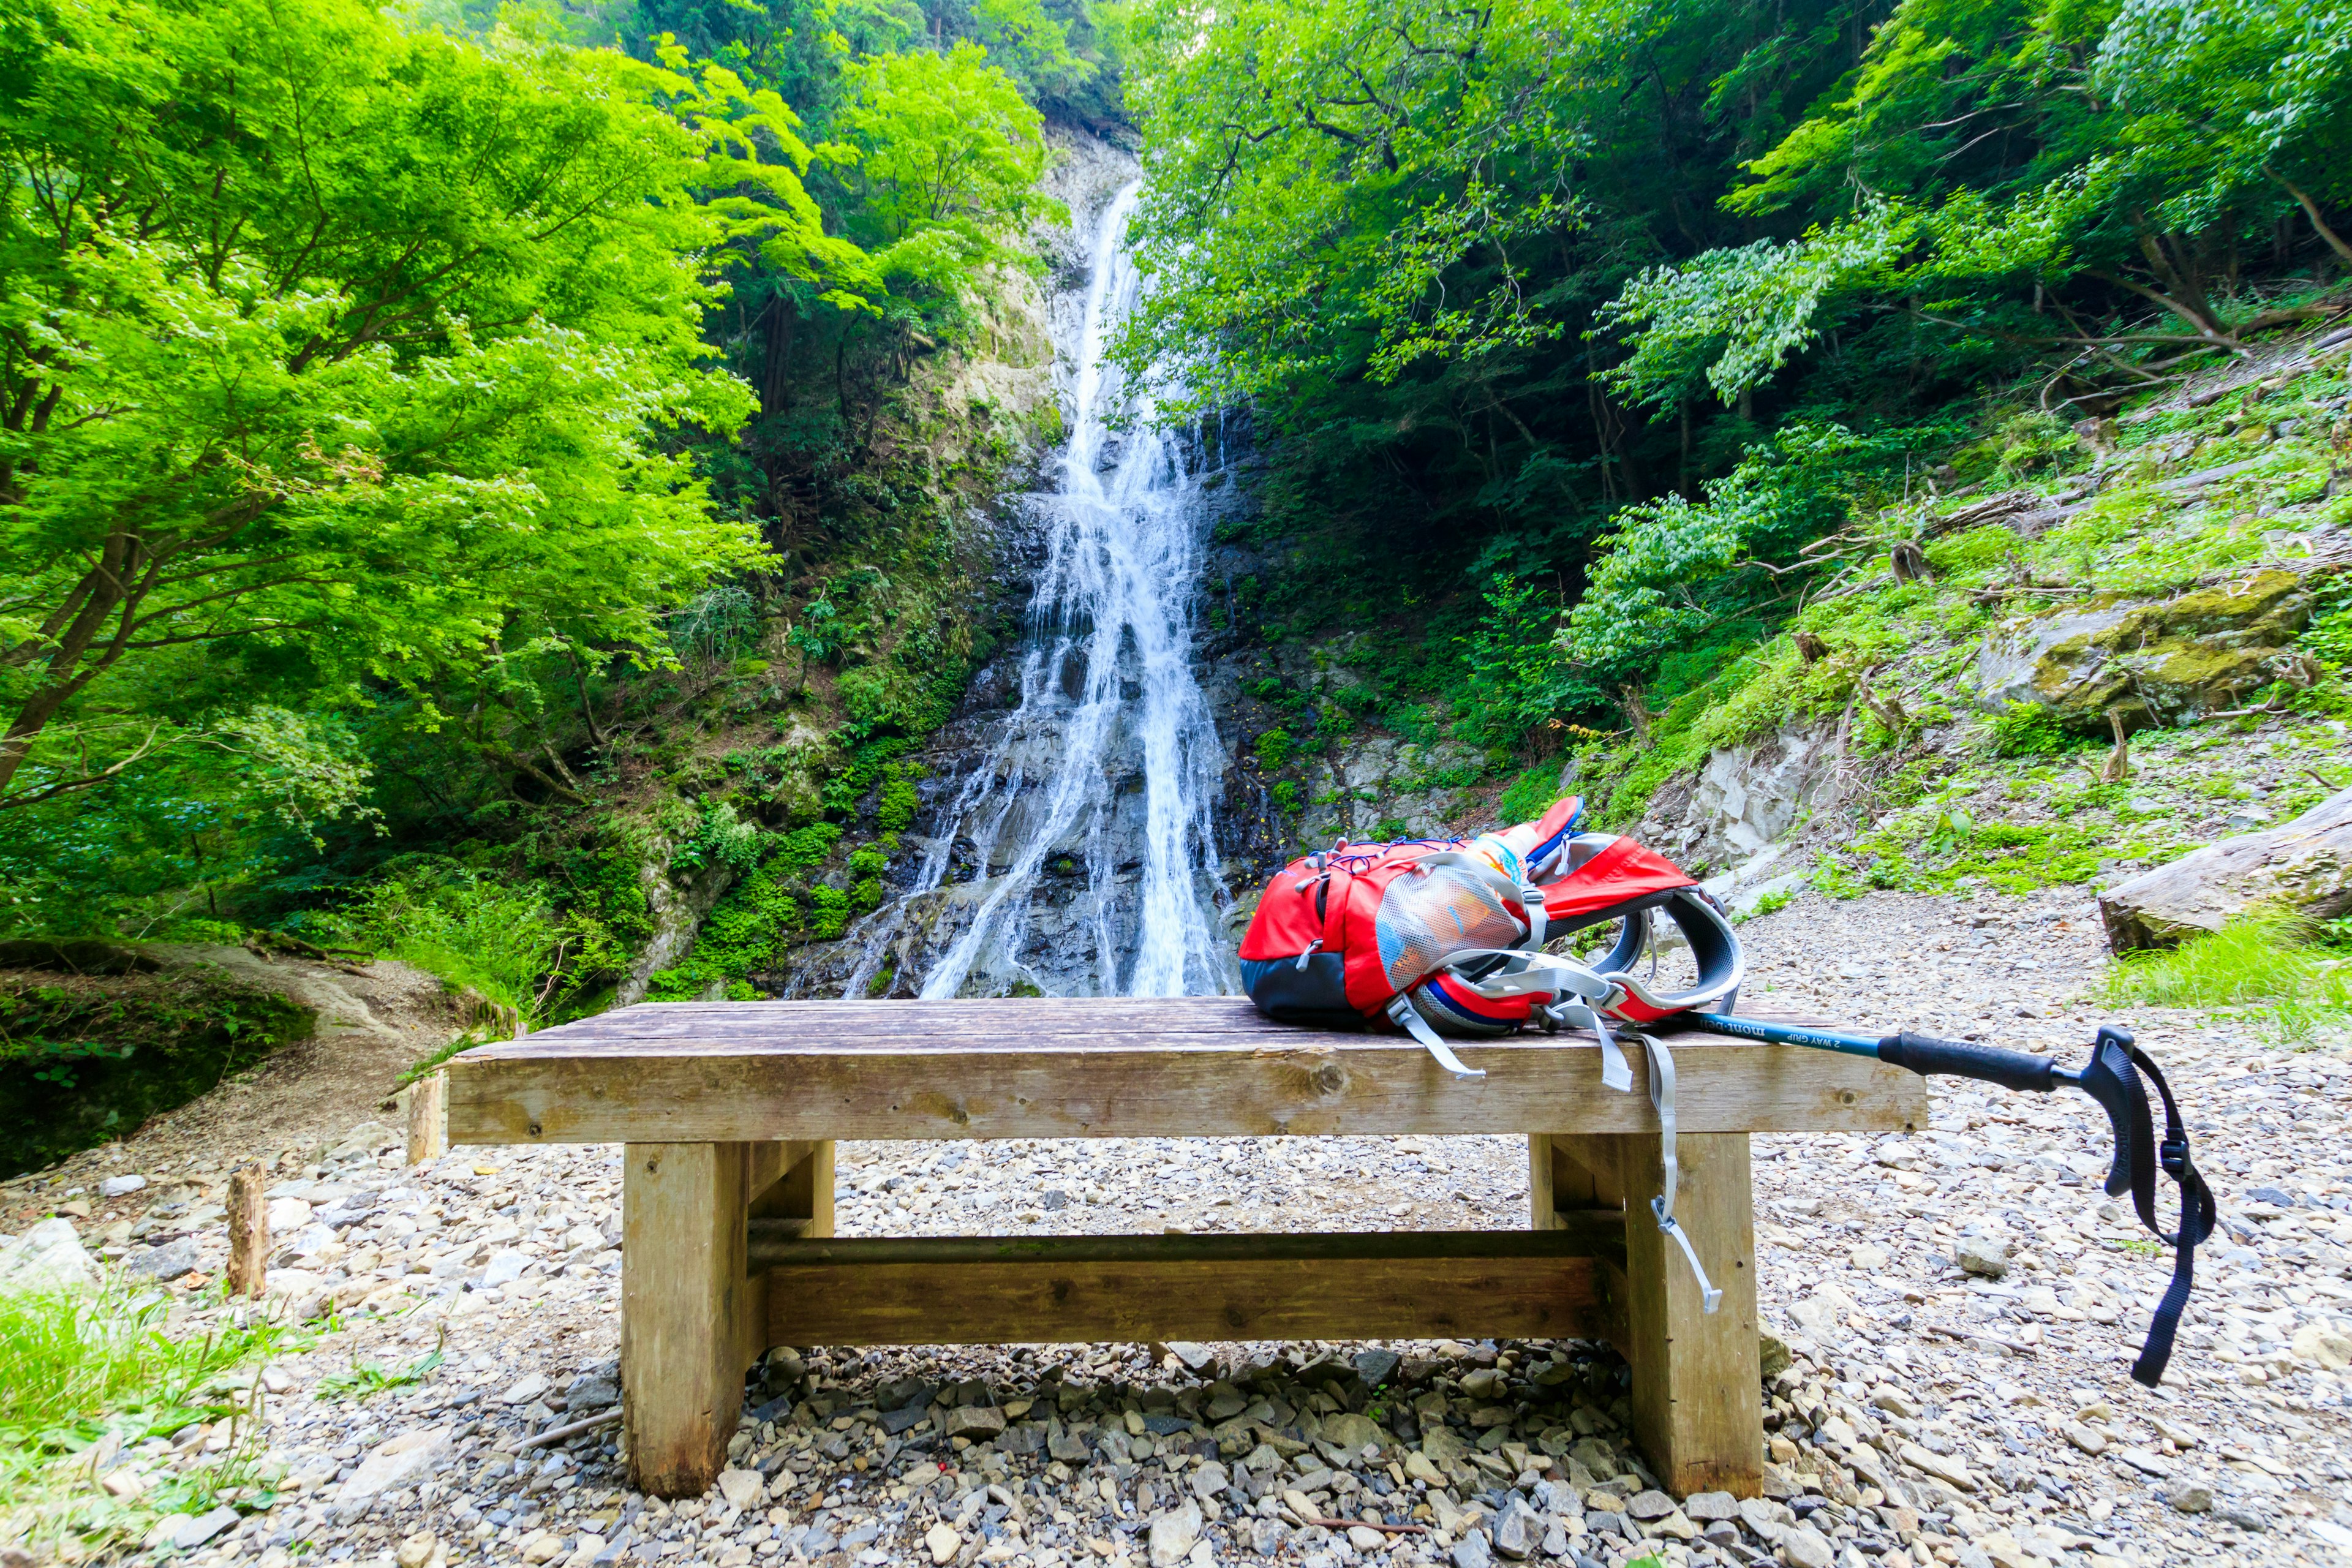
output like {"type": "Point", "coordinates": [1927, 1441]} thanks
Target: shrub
{"type": "Point", "coordinates": [2029, 730]}
{"type": "Point", "coordinates": [1274, 750]}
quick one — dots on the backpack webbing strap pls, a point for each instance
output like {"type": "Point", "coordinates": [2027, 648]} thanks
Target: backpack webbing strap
{"type": "Point", "coordinates": [1662, 1096]}
{"type": "Point", "coordinates": [1406, 1016]}
{"type": "Point", "coordinates": [2198, 1213]}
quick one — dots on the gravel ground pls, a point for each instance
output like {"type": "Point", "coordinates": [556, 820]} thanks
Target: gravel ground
{"type": "Point", "coordinates": [1925, 1412]}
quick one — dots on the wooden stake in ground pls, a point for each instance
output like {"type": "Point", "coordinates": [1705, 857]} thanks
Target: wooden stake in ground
{"type": "Point", "coordinates": [248, 1232]}
{"type": "Point", "coordinates": [428, 1123]}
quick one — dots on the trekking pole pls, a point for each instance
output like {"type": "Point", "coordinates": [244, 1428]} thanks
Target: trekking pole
{"type": "Point", "coordinates": [2111, 1076]}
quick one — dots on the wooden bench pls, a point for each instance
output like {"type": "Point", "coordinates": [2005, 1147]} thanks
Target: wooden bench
{"type": "Point", "coordinates": [730, 1110]}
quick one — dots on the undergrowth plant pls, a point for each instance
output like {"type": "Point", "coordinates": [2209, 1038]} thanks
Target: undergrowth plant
{"type": "Point", "coordinates": [2267, 965]}
{"type": "Point", "coordinates": [95, 1381]}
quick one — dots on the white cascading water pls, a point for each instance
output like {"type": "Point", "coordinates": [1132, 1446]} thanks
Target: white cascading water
{"type": "Point", "coordinates": [1107, 696]}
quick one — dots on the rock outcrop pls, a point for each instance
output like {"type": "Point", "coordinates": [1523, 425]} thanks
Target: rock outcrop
{"type": "Point", "coordinates": [2179, 659]}
{"type": "Point", "coordinates": [2304, 865]}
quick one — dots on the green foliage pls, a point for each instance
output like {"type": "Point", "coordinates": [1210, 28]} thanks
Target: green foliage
{"type": "Point", "coordinates": [1673, 571]}
{"type": "Point", "coordinates": [2030, 729]}
{"type": "Point", "coordinates": [2267, 961]}
{"type": "Point", "coordinates": [367, 1378]}
{"type": "Point", "coordinates": [2329, 635]}
{"type": "Point", "coordinates": [84, 1058]}
{"type": "Point", "coordinates": [493, 934]}
{"type": "Point", "coordinates": [332, 396]}
{"type": "Point", "coordinates": [947, 159]}
{"type": "Point", "coordinates": [1274, 750]}
{"type": "Point", "coordinates": [83, 1367]}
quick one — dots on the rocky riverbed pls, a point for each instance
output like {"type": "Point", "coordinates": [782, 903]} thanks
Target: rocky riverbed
{"type": "Point", "coordinates": [1955, 1314]}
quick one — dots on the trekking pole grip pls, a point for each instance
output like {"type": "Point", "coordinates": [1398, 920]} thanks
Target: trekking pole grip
{"type": "Point", "coordinates": [1925, 1054]}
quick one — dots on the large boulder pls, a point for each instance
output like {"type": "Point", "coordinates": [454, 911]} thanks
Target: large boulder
{"type": "Point", "coordinates": [2161, 662]}
{"type": "Point", "coordinates": [2305, 866]}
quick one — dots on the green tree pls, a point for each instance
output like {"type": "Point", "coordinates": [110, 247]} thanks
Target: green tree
{"type": "Point", "coordinates": [347, 352]}
{"type": "Point", "coordinates": [947, 159]}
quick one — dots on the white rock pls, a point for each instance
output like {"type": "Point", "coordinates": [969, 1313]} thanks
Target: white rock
{"type": "Point", "coordinates": [1173, 1535]}
{"type": "Point", "coordinates": [288, 1215]}
{"type": "Point", "coordinates": [120, 1186]}
{"type": "Point", "coordinates": [309, 1241]}
{"type": "Point", "coordinates": [943, 1542]}
{"type": "Point", "coordinates": [742, 1488]}
{"type": "Point", "coordinates": [580, 1235]}
{"type": "Point", "coordinates": [49, 1257]}
{"type": "Point", "coordinates": [504, 1268]}
{"type": "Point", "coordinates": [401, 1462]}
{"type": "Point", "coordinates": [294, 1283]}
{"type": "Point", "coordinates": [525, 1389]}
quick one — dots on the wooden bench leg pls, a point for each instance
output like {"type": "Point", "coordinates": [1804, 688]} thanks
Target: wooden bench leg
{"type": "Point", "coordinates": [687, 1310]}
{"type": "Point", "coordinates": [1697, 1398]}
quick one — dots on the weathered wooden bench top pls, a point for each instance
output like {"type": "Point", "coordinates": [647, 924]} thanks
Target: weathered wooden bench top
{"type": "Point", "coordinates": [1105, 1068]}
{"type": "Point", "coordinates": [729, 1112]}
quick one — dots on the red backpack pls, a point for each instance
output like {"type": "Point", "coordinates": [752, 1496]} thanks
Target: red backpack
{"type": "Point", "coordinates": [1444, 937]}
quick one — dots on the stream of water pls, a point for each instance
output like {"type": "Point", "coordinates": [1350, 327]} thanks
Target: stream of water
{"type": "Point", "coordinates": [1087, 828]}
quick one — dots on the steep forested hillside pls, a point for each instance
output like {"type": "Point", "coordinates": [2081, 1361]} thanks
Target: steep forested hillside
{"type": "Point", "coordinates": [1595, 346]}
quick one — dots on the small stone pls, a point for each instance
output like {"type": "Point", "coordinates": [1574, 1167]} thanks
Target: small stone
{"type": "Point", "coordinates": [402, 1462]}
{"type": "Point", "coordinates": [975, 1422]}
{"type": "Point", "coordinates": [2321, 1346]}
{"type": "Point", "coordinates": [2088, 1438]}
{"type": "Point", "coordinates": [1772, 1355]}
{"type": "Point", "coordinates": [1709, 1507]}
{"type": "Point", "coordinates": [942, 1542]}
{"type": "Point", "coordinates": [1894, 1402]}
{"type": "Point", "coordinates": [416, 1550]}
{"type": "Point", "coordinates": [2190, 1497]}
{"type": "Point", "coordinates": [1484, 1384]}
{"type": "Point", "coordinates": [120, 1186]}
{"type": "Point", "coordinates": [1210, 1479]}
{"type": "Point", "coordinates": [287, 1215]}
{"type": "Point", "coordinates": [1352, 1432]}
{"type": "Point", "coordinates": [49, 1257]}
{"type": "Point", "coordinates": [1376, 1367]}
{"type": "Point", "coordinates": [1197, 1359]}
{"type": "Point", "coordinates": [1365, 1538]}
{"type": "Point", "coordinates": [505, 1267]}
{"type": "Point", "coordinates": [1942, 1467]}
{"type": "Point", "coordinates": [1986, 1258]}
{"type": "Point", "coordinates": [1649, 1505]}
{"type": "Point", "coordinates": [525, 1389]}
{"type": "Point", "coordinates": [742, 1488]}
{"type": "Point", "coordinates": [165, 1263]}
{"type": "Point", "coordinates": [1807, 1548]}
{"type": "Point", "coordinates": [545, 1546]}
{"type": "Point", "coordinates": [1470, 1552]}
{"type": "Point", "coordinates": [1518, 1534]}
{"type": "Point", "coordinates": [1173, 1535]}
{"type": "Point", "coordinates": [1867, 1259]}
{"type": "Point", "coordinates": [203, 1526]}
{"type": "Point", "coordinates": [1418, 1467]}
{"type": "Point", "coordinates": [1676, 1524]}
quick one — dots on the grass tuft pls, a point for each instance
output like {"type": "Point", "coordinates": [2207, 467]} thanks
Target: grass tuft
{"type": "Point", "coordinates": [92, 1383]}
{"type": "Point", "coordinates": [2265, 963]}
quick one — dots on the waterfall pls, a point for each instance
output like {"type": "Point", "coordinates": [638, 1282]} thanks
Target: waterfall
{"type": "Point", "coordinates": [1110, 710]}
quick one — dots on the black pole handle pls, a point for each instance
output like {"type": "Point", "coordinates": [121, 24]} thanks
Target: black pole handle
{"type": "Point", "coordinates": [1925, 1054]}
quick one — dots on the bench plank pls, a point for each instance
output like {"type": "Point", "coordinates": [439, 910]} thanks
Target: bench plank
{"type": "Point", "coordinates": [1105, 1068]}
{"type": "Point", "coordinates": [1416, 1293]}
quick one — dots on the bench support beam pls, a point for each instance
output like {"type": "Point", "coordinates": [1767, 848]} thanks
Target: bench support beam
{"type": "Point", "coordinates": [1697, 1404]}
{"type": "Point", "coordinates": [693, 1315]}
{"type": "Point", "coordinates": [1082, 1290]}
